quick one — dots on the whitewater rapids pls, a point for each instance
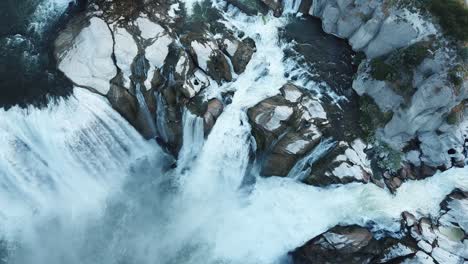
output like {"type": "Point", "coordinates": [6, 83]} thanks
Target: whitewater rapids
{"type": "Point", "coordinates": [78, 184]}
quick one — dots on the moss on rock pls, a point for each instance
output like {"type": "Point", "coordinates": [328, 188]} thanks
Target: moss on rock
{"type": "Point", "coordinates": [371, 117]}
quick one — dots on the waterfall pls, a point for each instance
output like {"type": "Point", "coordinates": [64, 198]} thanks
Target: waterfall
{"type": "Point", "coordinates": [193, 138]}
{"type": "Point", "coordinates": [144, 112]}
{"type": "Point", "coordinates": [64, 160]}
{"type": "Point", "coordinates": [291, 6]}
{"type": "Point", "coordinates": [161, 118]}
{"type": "Point", "coordinates": [304, 166]}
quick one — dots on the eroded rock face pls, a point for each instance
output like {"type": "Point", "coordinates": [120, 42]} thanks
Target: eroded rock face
{"type": "Point", "coordinates": [372, 26]}
{"type": "Point", "coordinates": [148, 65]}
{"type": "Point", "coordinates": [274, 5]}
{"type": "Point", "coordinates": [441, 240]}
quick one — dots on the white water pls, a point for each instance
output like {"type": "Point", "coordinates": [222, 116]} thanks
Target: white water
{"type": "Point", "coordinates": [144, 113]}
{"type": "Point", "coordinates": [79, 185]}
{"type": "Point", "coordinates": [299, 172]}
{"type": "Point", "coordinates": [47, 12]}
{"type": "Point", "coordinates": [291, 6]}
{"type": "Point", "coordinates": [193, 136]}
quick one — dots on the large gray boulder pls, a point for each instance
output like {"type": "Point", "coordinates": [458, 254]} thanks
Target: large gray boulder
{"type": "Point", "coordinates": [286, 127]}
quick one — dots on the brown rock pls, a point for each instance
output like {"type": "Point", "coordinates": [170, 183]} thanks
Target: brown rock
{"type": "Point", "coordinates": [243, 55]}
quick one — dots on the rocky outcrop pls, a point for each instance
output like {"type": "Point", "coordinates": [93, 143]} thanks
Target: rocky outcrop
{"type": "Point", "coordinates": [373, 26]}
{"type": "Point", "coordinates": [149, 66]}
{"type": "Point", "coordinates": [422, 240]}
{"type": "Point", "coordinates": [286, 127]}
{"type": "Point", "coordinates": [352, 244]}
{"type": "Point", "coordinates": [441, 240]}
{"type": "Point", "coordinates": [411, 71]}
{"type": "Point", "coordinates": [243, 54]}
{"type": "Point", "coordinates": [347, 162]}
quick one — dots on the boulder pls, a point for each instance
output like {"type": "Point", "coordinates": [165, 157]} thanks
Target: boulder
{"type": "Point", "coordinates": [286, 127]}
{"type": "Point", "coordinates": [288, 150]}
{"type": "Point", "coordinates": [243, 54]}
{"type": "Point", "coordinates": [210, 58]}
{"type": "Point", "coordinates": [213, 110]}
{"type": "Point", "coordinates": [86, 58]}
{"type": "Point", "coordinates": [346, 163]}
{"type": "Point", "coordinates": [351, 244]}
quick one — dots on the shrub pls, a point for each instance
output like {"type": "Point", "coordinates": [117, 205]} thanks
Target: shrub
{"type": "Point", "coordinates": [204, 16]}
{"type": "Point", "coordinates": [413, 55]}
{"type": "Point", "coordinates": [382, 71]}
{"type": "Point", "coordinates": [388, 159]}
{"type": "Point", "coordinates": [453, 17]}
{"type": "Point", "coordinates": [371, 117]}
{"type": "Point", "coordinates": [464, 54]}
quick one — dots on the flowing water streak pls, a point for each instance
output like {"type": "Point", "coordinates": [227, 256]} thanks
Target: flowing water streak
{"type": "Point", "coordinates": [193, 136]}
{"type": "Point", "coordinates": [298, 172]}
{"type": "Point", "coordinates": [144, 110]}
{"type": "Point", "coordinates": [161, 121]}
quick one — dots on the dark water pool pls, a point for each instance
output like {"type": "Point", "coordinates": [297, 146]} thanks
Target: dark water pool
{"type": "Point", "coordinates": [329, 60]}
{"type": "Point", "coordinates": [28, 73]}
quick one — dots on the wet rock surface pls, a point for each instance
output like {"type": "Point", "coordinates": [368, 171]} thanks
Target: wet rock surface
{"type": "Point", "coordinates": [423, 240]}
{"type": "Point", "coordinates": [149, 65]}
{"type": "Point", "coordinates": [286, 127]}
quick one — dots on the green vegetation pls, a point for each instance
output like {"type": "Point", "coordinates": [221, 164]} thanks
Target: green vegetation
{"type": "Point", "coordinates": [398, 67]}
{"type": "Point", "coordinates": [371, 117]}
{"type": "Point", "coordinates": [453, 118]}
{"type": "Point", "coordinates": [457, 74]}
{"type": "Point", "coordinates": [401, 60]}
{"type": "Point", "coordinates": [383, 71]}
{"type": "Point", "coordinates": [388, 159]}
{"type": "Point", "coordinates": [204, 17]}
{"type": "Point", "coordinates": [464, 54]}
{"type": "Point", "coordinates": [453, 17]}
{"type": "Point", "coordinates": [413, 55]}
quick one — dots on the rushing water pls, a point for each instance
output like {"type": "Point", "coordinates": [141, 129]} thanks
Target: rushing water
{"type": "Point", "coordinates": [80, 185]}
